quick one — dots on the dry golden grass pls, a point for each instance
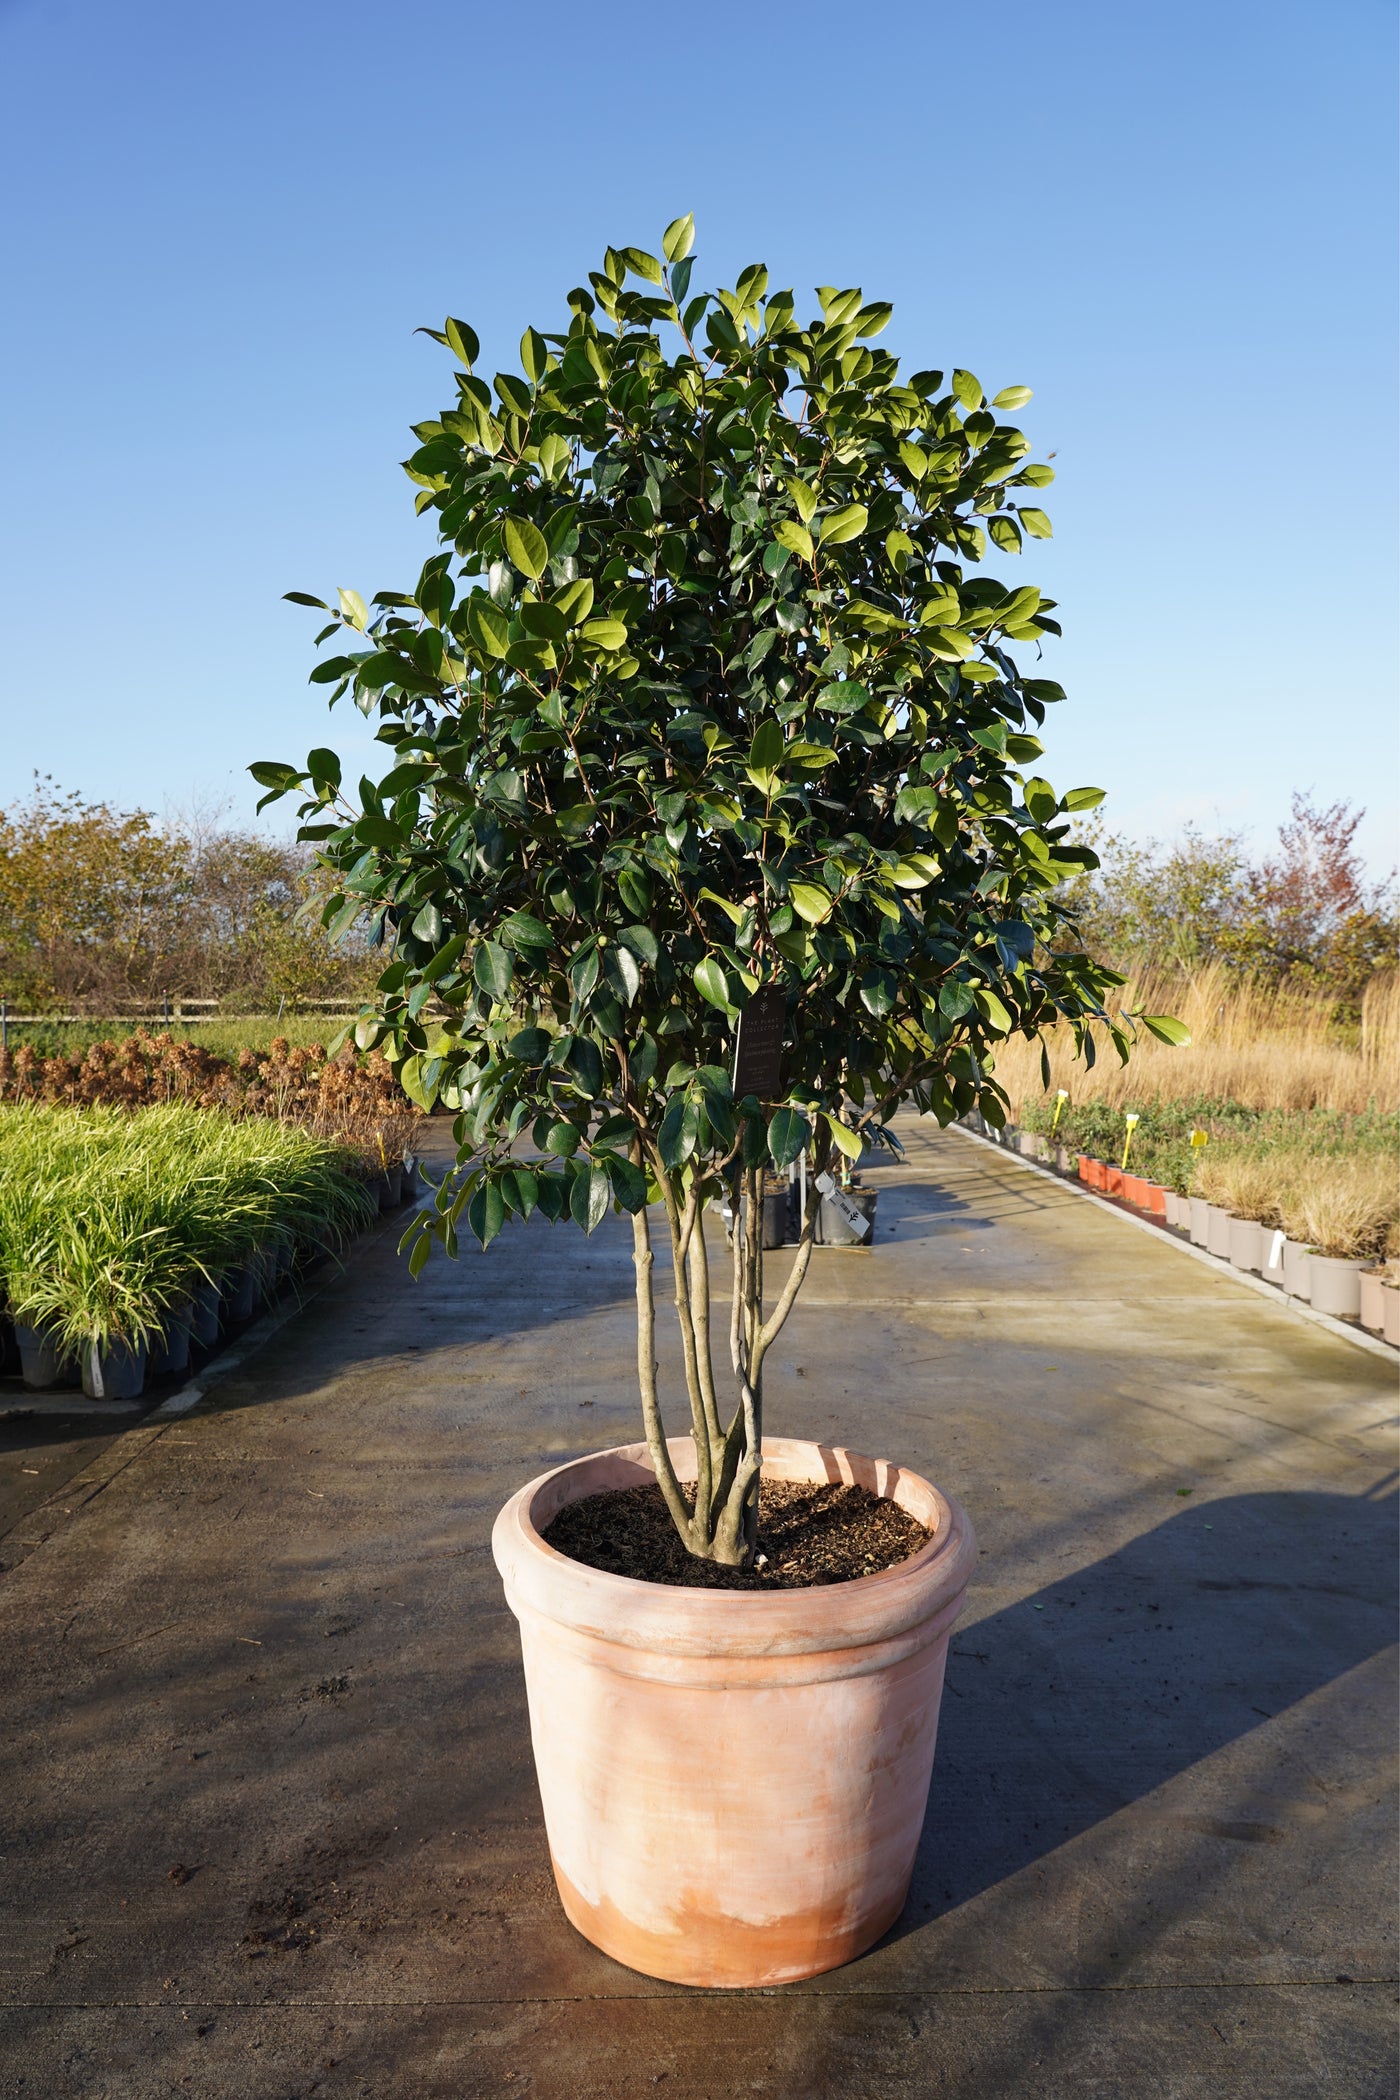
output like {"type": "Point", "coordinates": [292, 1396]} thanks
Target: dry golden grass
{"type": "Point", "coordinates": [1341, 1203]}
{"type": "Point", "coordinates": [1261, 1048]}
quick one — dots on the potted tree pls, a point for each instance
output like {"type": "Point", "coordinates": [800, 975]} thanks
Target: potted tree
{"type": "Point", "coordinates": [707, 841]}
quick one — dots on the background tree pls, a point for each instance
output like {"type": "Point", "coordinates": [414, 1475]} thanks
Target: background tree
{"type": "Point", "coordinates": [702, 695]}
{"type": "Point", "coordinates": [101, 910]}
{"type": "Point", "coordinates": [1307, 914]}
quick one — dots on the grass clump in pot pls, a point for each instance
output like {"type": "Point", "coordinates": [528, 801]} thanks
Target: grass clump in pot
{"type": "Point", "coordinates": [109, 1220]}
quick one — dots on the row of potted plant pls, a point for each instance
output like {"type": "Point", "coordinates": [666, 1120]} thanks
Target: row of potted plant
{"type": "Point", "coordinates": [1317, 1222]}
{"type": "Point", "coordinates": [130, 1239]}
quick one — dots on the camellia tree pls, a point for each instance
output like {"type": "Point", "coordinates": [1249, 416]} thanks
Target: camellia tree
{"type": "Point", "coordinates": [703, 698]}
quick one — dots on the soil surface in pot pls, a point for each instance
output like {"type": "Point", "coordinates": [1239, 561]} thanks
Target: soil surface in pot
{"type": "Point", "coordinates": [807, 1535]}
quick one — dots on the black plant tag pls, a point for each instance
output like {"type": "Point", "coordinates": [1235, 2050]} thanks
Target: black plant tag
{"type": "Point", "coordinates": [758, 1045]}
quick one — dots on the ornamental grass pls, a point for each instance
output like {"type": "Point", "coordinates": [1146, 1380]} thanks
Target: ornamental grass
{"type": "Point", "coordinates": [109, 1219]}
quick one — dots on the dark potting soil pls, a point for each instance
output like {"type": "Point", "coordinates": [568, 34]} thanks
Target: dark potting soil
{"type": "Point", "coordinates": [807, 1535]}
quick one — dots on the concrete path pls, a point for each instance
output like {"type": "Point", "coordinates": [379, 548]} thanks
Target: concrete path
{"type": "Point", "coordinates": [270, 1823]}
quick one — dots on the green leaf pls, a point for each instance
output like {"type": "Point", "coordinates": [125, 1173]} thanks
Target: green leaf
{"type": "Point", "coordinates": [767, 747]}
{"type": "Point", "coordinates": [1036, 524]}
{"type": "Point", "coordinates": [270, 773]}
{"type": "Point", "coordinates": [794, 537]}
{"type": "Point", "coordinates": [427, 926]}
{"type": "Point", "coordinates": [846, 1140]}
{"type": "Point", "coordinates": [679, 238]}
{"type": "Point", "coordinates": [531, 1046]}
{"type": "Point", "coordinates": [462, 341]}
{"type": "Point", "coordinates": [621, 971]}
{"type": "Point", "coordinates": [1083, 798]}
{"type": "Point", "coordinates": [643, 943]}
{"type": "Point", "coordinates": [305, 598]}
{"type": "Point", "coordinates": [1167, 1029]}
{"type": "Point", "coordinates": [1012, 397]}
{"type": "Point", "coordinates": [489, 627]}
{"type": "Point", "coordinates": [534, 354]}
{"type": "Point", "coordinates": [526, 547]}
{"type": "Point", "coordinates": [643, 265]}
{"type": "Point", "coordinates": [353, 606]}
{"type": "Point", "coordinates": [1040, 799]}
{"type": "Point", "coordinates": [995, 1012]}
{"type": "Point", "coordinates": [523, 930]}
{"type": "Point", "coordinates": [967, 389]}
{"type": "Point", "coordinates": [848, 523]}
{"type": "Point", "coordinates": [789, 1133]}
{"type": "Point", "coordinates": [486, 1213]}
{"type": "Point", "coordinates": [710, 980]}
{"type": "Point", "coordinates": [575, 601]}
{"type": "Point", "coordinates": [679, 1133]}
{"type": "Point", "coordinates": [492, 969]}
{"type": "Point", "coordinates": [605, 634]}
{"type": "Point", "coordinates": [562, 1139]}
{"type": "Point", "coordinates": [809, 902]}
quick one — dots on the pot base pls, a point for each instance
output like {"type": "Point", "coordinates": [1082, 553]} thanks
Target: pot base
{"type": "Point", "coordinates": [726, 1954]}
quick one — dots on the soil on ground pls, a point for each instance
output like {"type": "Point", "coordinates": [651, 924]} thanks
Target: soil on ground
{"type": "Point", "coordinates": [807, 1536]}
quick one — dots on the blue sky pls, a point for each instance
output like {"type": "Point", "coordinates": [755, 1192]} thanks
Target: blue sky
{"type": "Point", "coordinates": [1175, 224]}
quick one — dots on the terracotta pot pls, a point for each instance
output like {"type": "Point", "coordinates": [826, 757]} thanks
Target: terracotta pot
{"type": "Point", "coordinates": [1218, 1223]}
{"type": "Point", "coordinates": [1390, 1309]}
{"type": "Point", "coordinates": [1246, 1243]}
{"type": "Point", "coordinates": [1372, 1305]}
{"type": "Point", "coordinates": [1297, 1269]}
{"type": "Point", "coordinates": [1088, 1171]}
{"type": "Point", "coordinates": [1134, 1190]}
{"type": "Point", "coordinates": [1156, 1199]}
{"type": "Point", "coordinates": [1335, 1284]}
{"type": "Point", "coordinates": [1198, 1220]}
{"type": "Point", "coordinates": [1112, 1179]}
{"type": "Point", "coordinates": [733, 1784]}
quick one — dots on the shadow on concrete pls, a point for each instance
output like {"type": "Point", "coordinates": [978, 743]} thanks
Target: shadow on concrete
{"type": "Point", "coordinates": [1068, 1706]}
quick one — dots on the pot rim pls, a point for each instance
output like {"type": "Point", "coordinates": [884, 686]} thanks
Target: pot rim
{"type": "Point", "coordinates": [623, 1609]}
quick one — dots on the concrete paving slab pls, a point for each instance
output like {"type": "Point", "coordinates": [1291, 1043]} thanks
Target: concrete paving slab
{"type": "Point", "coordinates": [271, 1825]}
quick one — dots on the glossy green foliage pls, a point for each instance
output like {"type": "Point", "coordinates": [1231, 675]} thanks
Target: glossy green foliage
{"type": "Point", "coordinates": [704, 689]}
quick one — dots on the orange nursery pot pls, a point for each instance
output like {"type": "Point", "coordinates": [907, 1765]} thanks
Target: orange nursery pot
{"type": "Point", "coordinates": [1135, 1190]}
{"type": "Point", "coordinates": [1090, 1171]}
{"type": "Point", "coordinates": [1112, 1181]}
{"type": "Point", "coordinates": [733, 1782]}
{"type": "Point", "coordinates": [1155, 1199]}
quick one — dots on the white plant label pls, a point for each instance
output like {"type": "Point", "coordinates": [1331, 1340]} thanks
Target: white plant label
{"type": "Point", "coordinates": [854, 1220]}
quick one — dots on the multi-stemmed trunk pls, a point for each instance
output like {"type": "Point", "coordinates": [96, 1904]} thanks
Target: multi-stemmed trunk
{"type": "Point", "coordinates": [719, 1520]}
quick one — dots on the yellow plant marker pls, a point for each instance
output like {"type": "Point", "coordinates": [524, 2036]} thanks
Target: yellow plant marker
{"type": "Point", "coordinates": [1060, 1100]}
{"type": "Point", "coordinates": [1132, 1123]}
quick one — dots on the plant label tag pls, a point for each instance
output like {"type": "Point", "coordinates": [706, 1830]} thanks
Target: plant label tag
{"type": "Point", "coordinates": [1275, 1260]}
{"type": "Point", "coordinates": [758, 1045]}
{"type": "Point", "coordinates": [854, 1219]}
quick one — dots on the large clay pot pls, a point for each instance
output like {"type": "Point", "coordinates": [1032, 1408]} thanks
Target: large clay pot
{"type": "Point", "coordinates": [733, 1783]}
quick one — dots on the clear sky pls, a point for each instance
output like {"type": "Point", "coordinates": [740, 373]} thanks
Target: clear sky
{"type": "Point", "coordinates": [222, 225]}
